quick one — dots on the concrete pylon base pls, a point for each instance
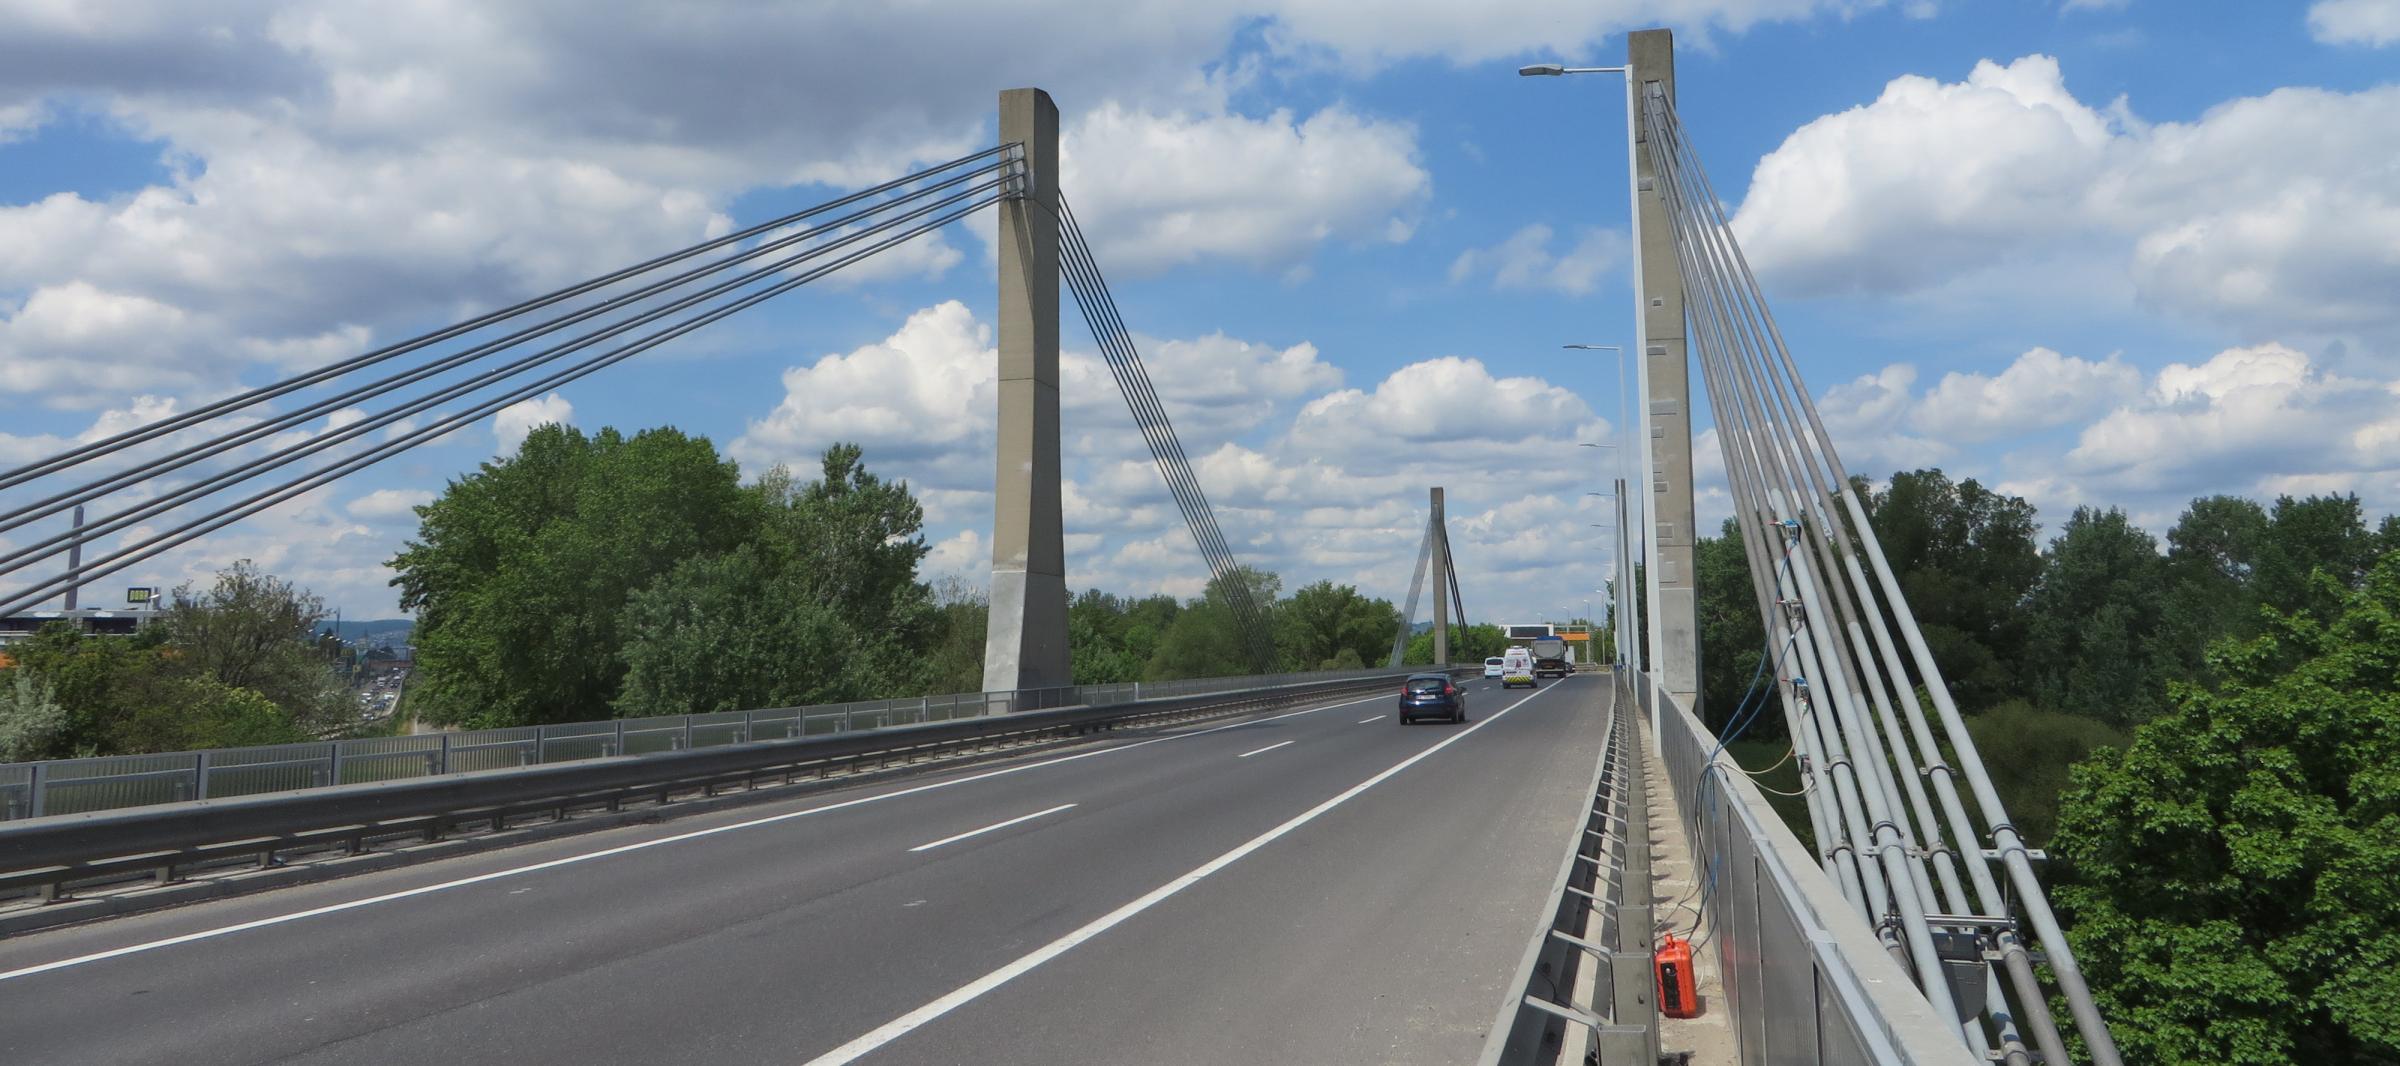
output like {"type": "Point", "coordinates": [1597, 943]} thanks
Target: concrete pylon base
{"type": "Point", "coordinates": [1027, 645]}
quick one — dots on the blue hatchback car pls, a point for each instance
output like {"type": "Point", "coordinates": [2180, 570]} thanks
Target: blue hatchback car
{"type": "Point", "coordinates": [1431, 696]}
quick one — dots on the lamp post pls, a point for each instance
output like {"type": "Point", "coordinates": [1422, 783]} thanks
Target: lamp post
{"type": "Point", "coordinates": [1633, 187]}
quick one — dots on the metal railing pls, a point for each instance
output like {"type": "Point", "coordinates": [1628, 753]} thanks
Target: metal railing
{"type": "Point", "coordinates": [1805, 979]}
{"type": "Point", "coordinates": [111, 782]}
{"type": "Point", "coordinates": [1610, 852]}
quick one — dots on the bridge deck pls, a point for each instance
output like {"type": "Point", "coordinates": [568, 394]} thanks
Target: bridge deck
{"type": "Point", "coordinates": [1381, 930]}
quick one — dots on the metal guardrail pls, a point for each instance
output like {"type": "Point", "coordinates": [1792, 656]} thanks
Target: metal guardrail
{"type": "Point", "coordinates": [112, 782]}
{"type": "Point", "coordinates": [1804, 977]}
{"type": "Point", "coordinates": [50, 852]}
{"type": "Point", "coordinates": [1601, 862]}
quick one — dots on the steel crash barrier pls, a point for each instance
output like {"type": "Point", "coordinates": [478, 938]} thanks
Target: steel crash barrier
{"type": "Point", "coordinates": [75, 786]}
{"type": "Point", "coordinates": [50, 854]}
{"type": "Point", "coordinates": [1591, 927]}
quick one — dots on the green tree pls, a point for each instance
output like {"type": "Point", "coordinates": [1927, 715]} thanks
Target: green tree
{"type": "Point", "coordinates": [1732, 636]}
{"type": "Point", "coordinates": [129, 695]}
{"type": "Point", "coordinates": [520, 572]}
{"type": "Point", "coordinates": [2095, 619]}
{"type": "Point", "coordinates": [2232, 872]}
{"type": "Point", "coordinates": [252, 630]}
{"type": "Point", "coordinates": [727, 633]}
{"type": "Point", "coordinates": [852, 540]}
{"type": "Point", "coordinates": [954, 652]}
{"type": "Point", "coordinates": [32, 724]}
{"type": "Point", "coordinates": [2308, 535]}
{"type": "Point", "coordinates": [2212, 550]}
{"type": "Point", "coordinates": [1965, 557]}
{"type": "Point", "coordinates": [2030, 752]}
{"type": "Point", "coordinates": [1323, 620]}
{"type": "Point", "coordinates": [1468, 644]}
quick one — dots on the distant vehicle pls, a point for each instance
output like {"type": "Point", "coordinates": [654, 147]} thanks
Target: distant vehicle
{"type": "Point", "coordinates": [1516, 668]}
{"type": "Point", "coordinates": [1550, 657]}
{"type": "Point", "coordinates": [1431, 696]}
{"type": "Point", "coordinates": [1491, 666]}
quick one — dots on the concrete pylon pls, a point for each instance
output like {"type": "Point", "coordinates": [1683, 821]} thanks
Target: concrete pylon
{"type": "Point", "coordinates": [1026, 644]}
{"type": "Point", "coordinates": [1441, 583]}
{"type": "Point", "coordinates": [1674, 630]}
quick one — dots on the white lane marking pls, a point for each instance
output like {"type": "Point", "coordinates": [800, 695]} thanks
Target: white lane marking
{"type": "Point", "coordinates": [973, 990]}
{"type": "Point", "coordinates": [569, 860]}
{"type": "Point", "coordinates": [1364, 721]}
{"type": "Point", "coordinates": [1261, 751]}
{"type": "Point", "coordinates": [991, 827]}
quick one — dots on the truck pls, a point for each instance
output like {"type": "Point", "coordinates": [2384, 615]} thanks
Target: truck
{"type": "Point", "coordinates": [1550, 657]}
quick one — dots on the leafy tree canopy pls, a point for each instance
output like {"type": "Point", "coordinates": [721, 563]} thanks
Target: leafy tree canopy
{"type": "Point", "coordinates": [2233, 890]}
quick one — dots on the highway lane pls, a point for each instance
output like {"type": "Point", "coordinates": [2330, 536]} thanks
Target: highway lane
{"type": "Point", "coordinates": [783, 939]}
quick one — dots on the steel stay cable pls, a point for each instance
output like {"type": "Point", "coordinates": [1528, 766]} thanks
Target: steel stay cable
{"type": "Point", "coordinates": [1143, 397]}
{"type": "Point", "coordinates": [1150, 414]}
{"type": "Point", "coordinates": [2020, 970]}
{"type": "Point", "coordinates": [128, 438]}
{"type": "Point", "coordinates": [2010, 1043]}
{"type": "Point", "coordinates": [58, 502]}
{"type": "Point", "coordinates": [352, 431]}
{"type": "Point", "coordinates": [1953, 897]}
{"type": "Point", "coordinates": [224, 516]}
{"type": "Point", "coordinates": [1904, 876]}
{"type": "Point", "coordinates": [2014, 957]}
{"type": "Point", "coordinates": [1842, 617]}
{"type": "Point", "coordinates": [1850, 838]}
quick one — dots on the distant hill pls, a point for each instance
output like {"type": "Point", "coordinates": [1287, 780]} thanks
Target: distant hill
{"type": "Point", "coordinates": [389, 630]}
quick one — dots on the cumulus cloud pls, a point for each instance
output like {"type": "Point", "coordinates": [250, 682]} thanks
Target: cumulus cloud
{"type": "Point", "coordinates": [2040, 389]}
{"type": "Point", "coordinates": [1160, 190]}
{"type": "Point", "coordinates": [511, 425]}
{"type": "Point", "coordinates": [2064, 432]}
{"type": "Point", "coordinates": [2211, 219]}
{"type": "Point", "coordinates": [383, 505]}
{"type": "Point", "coordinates": [1524, 261]}
{"type": "Point", "coordinates": [1447, 409]}
{"type": "Point", "coordinates": [2373, 23]}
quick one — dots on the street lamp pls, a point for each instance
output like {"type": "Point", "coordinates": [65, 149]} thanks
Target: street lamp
{"type": "Point", "coordinates": [1633, 194]}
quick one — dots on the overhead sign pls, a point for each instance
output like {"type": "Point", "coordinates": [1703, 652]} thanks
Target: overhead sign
{"type": "Point", "coordinates": [139, 594]}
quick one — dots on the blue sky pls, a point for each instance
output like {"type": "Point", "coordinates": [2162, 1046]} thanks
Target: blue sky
{"type": "Point", "coordinates": [2114, 253]}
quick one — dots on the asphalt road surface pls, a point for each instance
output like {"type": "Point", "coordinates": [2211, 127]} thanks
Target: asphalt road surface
{"type": "Point", "coordinates": [1312, 886]}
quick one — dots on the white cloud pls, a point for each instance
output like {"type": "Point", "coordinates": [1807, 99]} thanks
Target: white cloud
{"type": "Point", "coordinates": [389, 504]}
{"type": "Point", "coordinates": [1160, 190]}
{"type": "Point", "coordinates": [1524, 261]}
{"type": "Point", "coordinates": [2212, 219]}
{"type": "Point", "coordinates": [923, 399]}
{"type": "Point", "coordinates": [511, 425]}
{"type": "Point", "coordinates": [1450, 410]}
{"type": "Point", "coordinates": [2040, 389]}
{"type": "Point", "coordinates": [2373, 23]}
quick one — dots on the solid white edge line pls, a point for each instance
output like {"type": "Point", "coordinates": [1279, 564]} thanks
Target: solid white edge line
{"type": "Point", "coordinates": [973, 990]}
{"type": "Point", "coordinates": [569, 860]}
{"type": "Point", "coordinates": [1264, 750]}
{"type": "Point", "coordinates": [991, 827]}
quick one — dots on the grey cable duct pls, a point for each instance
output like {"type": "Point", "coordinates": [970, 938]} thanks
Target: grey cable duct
{"type": "Point", "coordinates": [62, 500]}
{"type": "Point", "coordinates": [1751, 405]}
{"type": "Point", "coordinates": [315, 445]}
{"type": "Point", "coordinates": [82, 453]}
{"type": "Point", "coordinates": [268, 498]}
{"type": "Point", "coordinates": [1092, 296]}
{"type": "Point", "coordinates": [1789, 392]}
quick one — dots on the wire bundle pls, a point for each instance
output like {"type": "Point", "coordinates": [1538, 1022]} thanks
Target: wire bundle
{"type": "Point", "coordinates": [621, 314]}
{"type": "Point", "coordinates": [1859, 727]}
{"type": "Point", "coordinates": [1082, 275]}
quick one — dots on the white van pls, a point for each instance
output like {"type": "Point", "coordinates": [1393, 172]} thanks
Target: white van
{"type": "Point", "coordinates": [1516, 668]}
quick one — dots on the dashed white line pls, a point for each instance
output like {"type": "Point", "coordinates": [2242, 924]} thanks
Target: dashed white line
{"type": "Point", "coordinates": [1268, 748]}
{"type": "Point", "coordinates": [639, 845]}
{"type": "Point", "coordinates": [1364, 721]}
{"type": "Point", "coordinates": [991, 827]}
{"type": "Point", "coordinates": [976, 989]}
